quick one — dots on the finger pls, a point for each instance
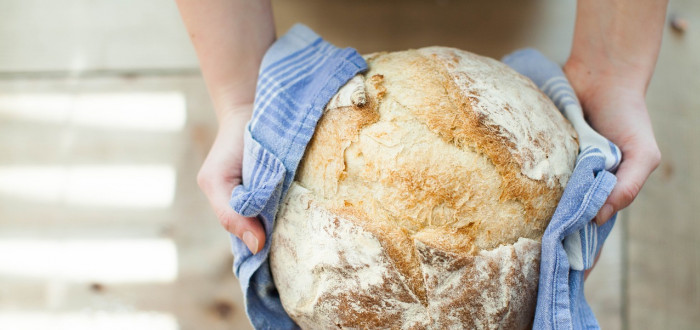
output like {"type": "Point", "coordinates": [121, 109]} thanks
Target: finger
{"type": "Point", "coordinates": [248, 229]}
{"type": "Point", "coordinates": [631, 175]}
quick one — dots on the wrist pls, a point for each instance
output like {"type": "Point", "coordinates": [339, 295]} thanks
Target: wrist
{"type": "Point", "coordinates": [232, 101]}
{"type": "Point", "coordinates": [234, 113]}
{"type": "Point", "coordinates": [617, 41]}
{"type": "Point", "coordinates": [593, 77]}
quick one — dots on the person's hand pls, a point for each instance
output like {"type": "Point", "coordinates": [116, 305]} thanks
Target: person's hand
{"type": "Point", "coordinates": [615, 107]}
{"type": "Point", "coordinates": [221, 172]}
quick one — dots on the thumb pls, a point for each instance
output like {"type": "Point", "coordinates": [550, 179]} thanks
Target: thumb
{"type": "Point", "coordinates": [248, 229]}
{"type": "Point", "coordinates": [631, 175]}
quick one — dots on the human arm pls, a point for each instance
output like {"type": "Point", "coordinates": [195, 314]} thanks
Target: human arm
{"type": "Point", "coordinates": [230, 38]}
{"type": "Point", "coordinates": [614, 52]}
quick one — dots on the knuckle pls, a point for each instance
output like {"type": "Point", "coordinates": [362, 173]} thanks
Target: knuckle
{"type": "Point", "coordinates": [655, 157]}
{"type": "Point", "coordinates": [203, 180]}
{"type": "Point", "coordinates": [224, 219]}
{"type": "Point", "coordinates": [230, 221]}
{"type": "Point", "coordinates": [628, 193]}
{"type": "Point", "coordinates": [650, 154]}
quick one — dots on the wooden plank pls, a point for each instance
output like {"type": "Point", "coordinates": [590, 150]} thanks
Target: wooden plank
{"type": "Point", "coordinates": [664, 249]}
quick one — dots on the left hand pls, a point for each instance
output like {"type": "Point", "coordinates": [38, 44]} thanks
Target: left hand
{"type": "Point", "coordinates": [615, 107]}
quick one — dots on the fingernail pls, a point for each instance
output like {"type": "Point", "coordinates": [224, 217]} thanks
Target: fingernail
{"type": "Point", "coordinates": [251, 242]}
{"type": "Point", "coordinates": [604, 214]}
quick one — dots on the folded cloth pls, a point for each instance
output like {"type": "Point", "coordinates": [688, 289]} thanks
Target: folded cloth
{"type": "Point", "coordinates": [298, 76]}
{"type": "Point", "coordinates": [572, 240]}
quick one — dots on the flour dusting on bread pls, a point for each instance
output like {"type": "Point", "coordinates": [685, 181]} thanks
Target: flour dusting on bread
{"type": "Point", "coordinates": [506, 100]}
{"type": "Point", "coordinates": [422, 197]}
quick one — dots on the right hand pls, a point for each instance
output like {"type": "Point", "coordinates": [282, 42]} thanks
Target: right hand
{"type": "Point", "coordinates": [221, 172]}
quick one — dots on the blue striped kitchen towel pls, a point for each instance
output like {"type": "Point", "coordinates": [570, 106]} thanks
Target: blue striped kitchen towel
{"type": "Point", "coordinates": [299, 74]}
{"type": "Point", "coordinates": [572, 240]}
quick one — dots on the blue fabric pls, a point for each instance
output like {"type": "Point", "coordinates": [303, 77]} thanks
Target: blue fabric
{"type": "Point", "coordinates": [572, 240]}
{"type": "Point", "coordinates": [299, 74]}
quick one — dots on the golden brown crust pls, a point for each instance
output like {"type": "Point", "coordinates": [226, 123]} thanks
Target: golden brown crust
{"type": "Point", "coordinates": [459, 124]}
{"type": "Point", "coordinates": [448, 113]}
{"type": "Point", "coordinates": [386, 159]}
{"type": "Point", "coordinates": [428, 160]}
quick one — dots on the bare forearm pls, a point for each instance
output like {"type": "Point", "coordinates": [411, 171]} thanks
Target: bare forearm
{"type": "Point", "coordinates": [619, 39]}
{"type": "Point", "coordinates": [230, 38]}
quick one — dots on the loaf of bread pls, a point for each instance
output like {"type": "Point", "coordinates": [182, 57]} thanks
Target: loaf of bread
{"type": "Point", "coordinates": [422, 198]}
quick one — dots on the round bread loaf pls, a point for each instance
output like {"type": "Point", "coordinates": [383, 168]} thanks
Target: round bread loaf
{"type": "Point", "coordinates": [422, 198]}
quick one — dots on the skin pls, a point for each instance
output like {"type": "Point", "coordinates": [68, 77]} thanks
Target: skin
{"type": "Point", "coordinates": [615, 47]}
{"type": "Point", "coordinates": [614, 52]}
{"type": "Point", "coordinates": [616, 44]}
{"type": "Point", "coordinates": [230, 38]}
